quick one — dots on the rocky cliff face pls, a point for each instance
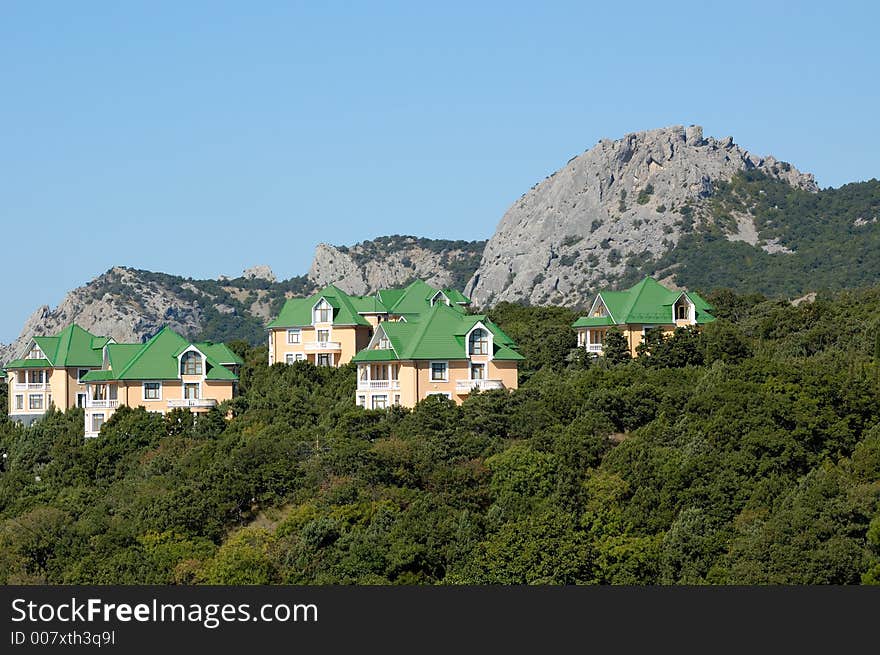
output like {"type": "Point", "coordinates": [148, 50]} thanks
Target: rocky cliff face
{"type": "Point", "coordinates": [392, 261]}
{"type": "Point", "coordinates": [619, 204]}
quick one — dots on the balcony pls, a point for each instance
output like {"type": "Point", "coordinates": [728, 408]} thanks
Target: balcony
{"type": "Point", "coordinates": [91, 403]}
{"type": "Point", "coordinates": [323, 345]}
{"type": "Point", "coordinates": [32, 386]}
{"type": "Point", "coordinates": [466, 386]}
{"type": "Point", "coordinates": [192, 403]}
{"type": "Point", "coordinates": [373, 385]}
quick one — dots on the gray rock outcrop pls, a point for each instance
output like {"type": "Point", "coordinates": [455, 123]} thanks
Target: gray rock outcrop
{"type": "Point", "coordinates": [622, 199]}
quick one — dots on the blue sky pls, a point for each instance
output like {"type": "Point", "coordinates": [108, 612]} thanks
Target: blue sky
{"type": "Point", "coordinates": [202, 138]}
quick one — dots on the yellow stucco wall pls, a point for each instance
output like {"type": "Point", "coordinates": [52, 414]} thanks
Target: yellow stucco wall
{"type": "Point", "coordinates": [351, 339]}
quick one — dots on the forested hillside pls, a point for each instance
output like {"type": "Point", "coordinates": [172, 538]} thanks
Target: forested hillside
{"type": "Point", "coordinates": [749, 453]}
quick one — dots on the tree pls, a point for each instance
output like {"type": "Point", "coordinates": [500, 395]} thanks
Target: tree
{"type": "Point", "coordinates": [615, 348]}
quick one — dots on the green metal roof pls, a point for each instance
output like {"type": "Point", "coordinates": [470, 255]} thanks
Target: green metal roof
{"type": "Point", "coordinates": [440, 334]}
{"type": "Point", "coordinates": [28, 363]}
{"type": "Point", "coordinates": [219, 351]}
{"type": "Point", "coordinates": [411, 301]}
{"type": "Point", "coordinates": [157, 359]}
{"type": "Point", "coordinates": [73, 346]}
{"type": "Point", "coordinates": [592, 321]}
{"type": "Point", "coordinates": [646, 302]}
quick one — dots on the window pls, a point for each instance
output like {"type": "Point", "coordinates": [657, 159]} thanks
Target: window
{"type": "Point", "coordinates": [380, 402]}
{"type": "Point", "coordinates": [363, 373]}
{"type": "Point", "coordinates": [81, 399]}
{"type": "Point", "coordinates": [479, 342]}
{"type": "Point", "coordinates": [191, 391]}
{"type": "Point", "coordinates": [478, 371]}
{"type": "Point", "coordinates": [445, 394]}
{"type": "Point", "coordinates": [288, 358]}
{"type": "Point", "coordinates": [80, 374]}
{"type": "Point", "coordinates": [299, 357]}
{"type": "Point", "coordinates": [35, 353]}
{"type": "Point", "coordinates": [323, 312]}
{"type": "Point", "coordinates": [37, 377]}
{"type": "Point", "coordinates": [362, 401]}
{"type": "Point", "coordinates": [439, 371]}
{"type": "Point", "coordinates": [397, 399]}
{"type": "Point", "coordinates": [19, 401]}
{"type": "Point", "coordinates": [97, 422]}
{"type": "Point", "coordinates": [324, 359]}
{"type": "Point", "coordinates": [35, 401]}
{"type": "Point", "coordinates": [384, 343]}
{"type": "Point", "coordinates": [152, 391]}
{"type": "Point", "coordinates": [191, 363]}
{"type": "Point", "coordinates": [323, 335]}
{"type": "Point", "coordinates": [293, 336]}
{"type": "Point", "coordinates": [681, 312]}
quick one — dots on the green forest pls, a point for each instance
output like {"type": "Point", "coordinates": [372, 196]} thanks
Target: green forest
{"type": "Point", "coordinates": [748, 453]}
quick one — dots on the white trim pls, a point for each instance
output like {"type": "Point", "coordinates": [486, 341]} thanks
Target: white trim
{"type": "Point", "coordinates": [192, 348]}
{"type": "Point", "coordinates": [43, 403]}
{"type": "Point", "coordinates": [692, 309]}
{"type": "Point", "coordinates": [373, 398]}
{"type": "Point", "coordinates": [17, 397]}
{"type": "Point", "coordinates": [289, 358]}
{"type": "Point", "coordinates": [491, 337]}
{"type": "Point", "coordinates": [292, 331]}
{"type": "Point", "coordinates": [374, 340]}
{"type": "Point", "coordinates": [199, 392]}
{"type": "Point", "coordinates": [471, 370]}
{"type": "Point", "coordinates": [315, 307]}
{"type": "Point", "coordinates": [431, 370]}
{"type": "Point", "coordinates": [144, 390]}
{"type": "Point", "coordinates": [440, 293]}
{"type": "Point", "coordinates": [599, 298]}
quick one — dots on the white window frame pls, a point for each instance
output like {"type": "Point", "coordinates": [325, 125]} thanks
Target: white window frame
{"type": "Point", "coordinates": [376, 397]}
{"type": "Point", "coordinates": [294, 332]}
{"type": "Point", "coordinates": [330, 359]}
{"type": "Point", "coordinates": [439, 393]}
{"type": "Point", "coordinates": [289, 358]}
{"type": "Point", "coordinates": [362, 400]}
{"type": "Point", "coordinates": [103, 420]}
{"type": "Point", "coordinates": [299, 357]}
{"type": "Point", "coordinates": [144, 391]}
{"type": "Point", "coordinates": [198, 390]}
{"type": "Point", "coordinates": [471, 370]}
{"type": "Point", "coordinates": [445, 377]}
{"type": "Point", "coordinates": [31, 397]}
{"type": "Point", "coordinates": [19, 401]}
{"type": "Point", "coordinates": [80, 372]}
{"type": "Point", "coordinates": [322, 304]}
{"type": "Point", "coordinates": [85, 398]}
{"type": "Point", "coordinates": [329, 332]}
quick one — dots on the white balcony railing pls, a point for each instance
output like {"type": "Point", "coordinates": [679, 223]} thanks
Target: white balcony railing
{"type": "Point", "coordinates": [91, 403]}
{"type": "Point", "coordinates": [31, 386]}
{"type": "Point", "coordinates": [369, 385]}
{"type": "Point", "coordinates": [192, 402]}
{"type": "Point", "coordinates": [466, 386]}
{"type": "Point", "coordinates": [594, 347]}
{"type": "Point", "coordinates": [323, 345]}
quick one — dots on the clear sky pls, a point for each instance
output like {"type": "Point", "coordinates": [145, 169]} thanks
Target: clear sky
{"type": "Point", "coordinates": [203, 138]}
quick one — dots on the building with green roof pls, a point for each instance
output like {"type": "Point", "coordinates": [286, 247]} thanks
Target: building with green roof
{"type": "Point", "coordinates": [440, 351]}
{"type": "Point", "coordinates": [165, 373]}
{"type": "Point", "coordinates": [646, 305]}
{"type": "Point", "coordinates": [51, 372]}
{"type": "Point", "coordinates": [329, 327]}
{"type": "Point", "coordinates": [75, 368]}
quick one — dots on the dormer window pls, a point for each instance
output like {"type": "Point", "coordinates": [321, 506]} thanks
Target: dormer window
{"type": "Point", "coordinates": [191, 363]}
{"type": "Point", "coordinates": [35, 353]}
{"type": "Point", "coordinates": [323, 312]}
{"type": "Point", "coordinates": [478, 342]}
{"type": "Point", "coordinates": [682, 309]}
{"type": "Point", "coordinates": [384, 343]}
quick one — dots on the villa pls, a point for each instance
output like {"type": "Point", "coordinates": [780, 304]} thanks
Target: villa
{"type": "Point", "coordinates": [78, 369]}
{"type": "Point", "coordinates": [638, 309]}
{"type": "Point", "coordinates": [165, 373]}
{"type": "Point", "coordinates": [441, 351]}
{"type": "Point", "coordinates": [331, 326]}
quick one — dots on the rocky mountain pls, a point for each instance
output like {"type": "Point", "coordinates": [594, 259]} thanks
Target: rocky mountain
{"type": "Point", "coordinates": [396, 260]}
{"type": "Point", "coordinates": [620, 205]}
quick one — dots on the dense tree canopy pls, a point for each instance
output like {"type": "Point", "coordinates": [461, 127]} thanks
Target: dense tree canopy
{"type": "Point", "coordinates": [748, 452]}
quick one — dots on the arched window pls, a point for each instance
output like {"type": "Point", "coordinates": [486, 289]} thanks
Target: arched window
{"type": "Point", "coordinates": [479, 342]}
{"type": "Point", "coordinates": [191, 363]}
